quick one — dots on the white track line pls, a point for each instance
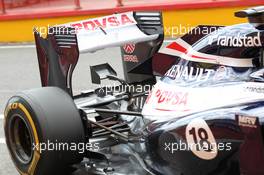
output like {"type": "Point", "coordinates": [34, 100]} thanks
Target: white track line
{"type": "Point", "coordinates": [17, 46]}
{"type": "Point", "coordinates": [2, 141]}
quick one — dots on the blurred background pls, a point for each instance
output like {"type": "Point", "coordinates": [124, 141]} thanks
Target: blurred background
{"type": "Point", "coordinates": [19, 17]}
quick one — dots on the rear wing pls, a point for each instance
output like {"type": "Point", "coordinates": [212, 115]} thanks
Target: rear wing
{"type": "Point", "coordinates": [138, 34]}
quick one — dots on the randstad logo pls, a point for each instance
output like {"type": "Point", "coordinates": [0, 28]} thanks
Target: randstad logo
{"type": "Point", "coordinates": [237, 41]}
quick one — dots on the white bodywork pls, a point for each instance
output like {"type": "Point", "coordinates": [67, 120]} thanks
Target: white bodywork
{"type": "Point", "coordinates": [169, 101]}
{"type": "Point", "coordinates": [108, 31]}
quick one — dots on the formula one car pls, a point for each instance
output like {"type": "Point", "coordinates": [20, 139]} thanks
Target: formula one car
{"type": "Point", "coordinates": [192, 107]}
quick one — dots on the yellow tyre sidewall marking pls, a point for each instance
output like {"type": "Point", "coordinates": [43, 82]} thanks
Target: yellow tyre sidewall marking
{"type": "Point", "coordinates": [36, 155]}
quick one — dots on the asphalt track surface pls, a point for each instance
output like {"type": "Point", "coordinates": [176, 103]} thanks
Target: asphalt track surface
{"type": "Point", "coordinates": [19, 71]}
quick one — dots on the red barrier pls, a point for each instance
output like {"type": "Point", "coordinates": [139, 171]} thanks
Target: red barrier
{"type": "Point", "coordinates": [64, 8]}
{"type": "Point", "coordinates": [9, 4]}
{"type": "Point", "coordinates": [3, 6]}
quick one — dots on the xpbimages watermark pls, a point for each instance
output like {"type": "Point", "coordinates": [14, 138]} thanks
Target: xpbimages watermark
{"type": "Point", "coordinates": [182, 29]}
{"type": "Point", "coordinates": [170, 31]}
{"type": "Point", "coordinates": [116, 88]}
{"type": "Point", "coordinates": [208, 147]}
{"type": "Point", "coordinates": [55, 29]}
{"type": "Point", "coordinates": [60, 146]}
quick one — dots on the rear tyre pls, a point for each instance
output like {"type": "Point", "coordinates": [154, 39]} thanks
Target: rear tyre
{"type": "Point", "coordinates": [41, 126]}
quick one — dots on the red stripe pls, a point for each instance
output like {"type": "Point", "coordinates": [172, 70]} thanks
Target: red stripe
{"type": "Point", "coordinates": [163, 109]}
{"type": "Point", "coordinates": [182, 49]}
{"type": "Point", "coordinates": [169, 110]}
{"type": "Point", "coordinates": [204, 58]}
{"type": "Point", "coordinates": [178, 47]}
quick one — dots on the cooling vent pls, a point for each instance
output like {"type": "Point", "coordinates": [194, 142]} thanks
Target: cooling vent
{"type": "Point", "coordinates": [65, 36]}
{"type": "Point", "coordinates": [149, 22]}
{"type": "Point", "coordinates": [139, 102]}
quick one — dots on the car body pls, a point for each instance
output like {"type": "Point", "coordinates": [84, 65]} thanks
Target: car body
{"type": "Point", "coordinates": [203, 115]}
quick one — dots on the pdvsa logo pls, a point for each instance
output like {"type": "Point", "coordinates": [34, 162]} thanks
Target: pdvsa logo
{"type": "Point", "coordinates": [129, 48]}
{"type": "Point", "coordinates": [105, 22]}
